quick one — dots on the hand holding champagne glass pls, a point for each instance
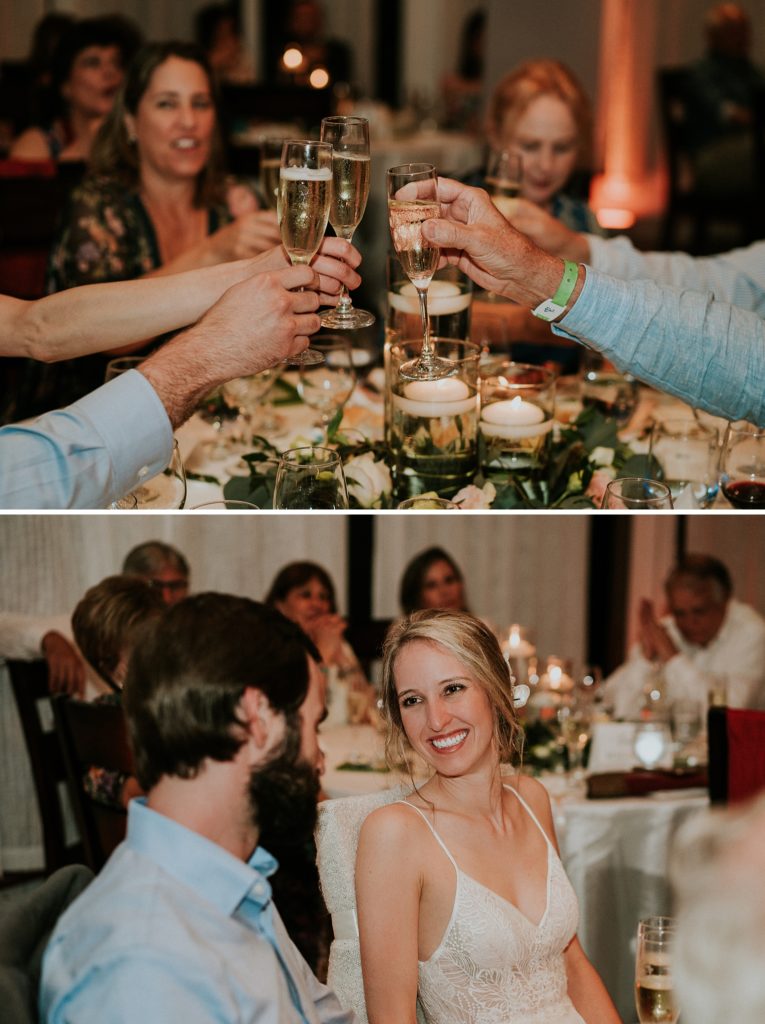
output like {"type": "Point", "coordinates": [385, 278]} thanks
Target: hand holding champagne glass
{"type": "Point", "coordinates": [305, 191]}
{"type": "Point", "coordinates": [413, 199]}
{"type": "Point", "coordinates": [654, 988]}
{"type": "Point", "coordinates": [349, 138]}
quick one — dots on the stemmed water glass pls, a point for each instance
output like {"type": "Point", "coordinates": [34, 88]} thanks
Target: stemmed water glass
{"type": "Point", "coordinates": [637, 493]}
{"type": "Point", "coordinates": [328, 385]}
{"type": "Point", "coordinates": [413, 199]}
{"type": "Point", "coordinates": [305, 192]}
{"type": "Point", "coordinates": [742, 466]}
{"type": "Point", "coordinates": [310, 478]}
{"type": "Point", "coordinates": [654, 987]}
{"type": "Point", "coordinates": [349, 138]}
{"type": "Point", "coordinates": [248, 394]}
{"type": "Point", "coordinates": [686, 454]}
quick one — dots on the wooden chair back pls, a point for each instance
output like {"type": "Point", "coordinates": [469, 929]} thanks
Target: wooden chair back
{"type": "Point", "coordinates": [29, 681]}
{"type": "Point", "coordinates": [93, 734]}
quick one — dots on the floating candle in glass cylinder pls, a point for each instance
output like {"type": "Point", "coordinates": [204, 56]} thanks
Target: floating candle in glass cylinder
{"type": "Point", "coordinates": [433, 429]}
{"type": "Point", "coordinates": [517, 644]}
{"type": "Point", "coordinates": [517, 414]}
{"type": "Point", "coordinates": [450, 297]}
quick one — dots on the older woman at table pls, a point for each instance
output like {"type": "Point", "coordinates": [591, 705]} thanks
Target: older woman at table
{"type": "Point", "coordinates": [482, 929]}
{"type": "Point", "coordinates": [155, 202]}
{"type": "Point", "coordinates": [432, 579]}
{"type": "Point", "coordinates": [304, 592]}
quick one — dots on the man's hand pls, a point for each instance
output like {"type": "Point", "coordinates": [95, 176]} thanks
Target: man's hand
{"type": "Point", "coordinates": [327, 632]}
{"type": "Point", "coordinates": [66, 671]}
{"type": "Point", "coordinates": [655, 641]}
{"type": "Point", "coordinates": [255, 324]}
{"type": "Point", "coordinates": [475, 236]}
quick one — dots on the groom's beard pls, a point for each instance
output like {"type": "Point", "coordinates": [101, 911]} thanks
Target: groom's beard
{"type": "Point", "coordinates": [283, 793]}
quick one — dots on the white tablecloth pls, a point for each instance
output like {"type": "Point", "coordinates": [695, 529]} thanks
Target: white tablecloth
{"type": "Point", "coordinates": [615, 853]}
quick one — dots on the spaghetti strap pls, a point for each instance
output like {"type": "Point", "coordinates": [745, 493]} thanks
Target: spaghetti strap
{"type": "Point", "coordinates": [438, 838]}
{"type": "Point", "coordinates": [523, 803]}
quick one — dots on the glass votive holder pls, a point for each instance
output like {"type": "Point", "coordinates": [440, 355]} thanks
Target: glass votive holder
{"type": "Point", "coordinates": [433, 429]}
{"type": "Point", "coordinates": [517, 415]}
{"type": "Point", "coordinates": [424, 503]}
{"type": "Point", "coordinates": [450, 297]}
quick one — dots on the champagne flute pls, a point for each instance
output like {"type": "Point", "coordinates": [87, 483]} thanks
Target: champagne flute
{"type": "Point", "coordinates": [413, 199]}
{"type": "Point", "coordinates": [270, 163]}
{"type": "Point", "coordinates": [328, 385]}
{"type": "Point", "coordinates": [305, 191]}
{"type": "Point", "coordinates": [349, 138]}
{"type": "Point", "coordinates": [310, 478]}
{"type": "Point", "coordinates": [742, 467]}
{"type": "Point", "coordinates": [503, 180]}
{"type": "Point", "coordinates": [637, 493]}
{"type": "Point", "coordinates": [654, 987]}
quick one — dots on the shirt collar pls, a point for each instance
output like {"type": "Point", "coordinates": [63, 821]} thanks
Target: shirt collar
{"type": "Point", "coordinates": [197, 862]}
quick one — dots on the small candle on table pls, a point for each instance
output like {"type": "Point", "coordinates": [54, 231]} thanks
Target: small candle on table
{"type": "Point", "coordinates": [448, 396]}
{"type": "Point", "coordinates": [514, 417]}
{"type": "Point", "coordinates": [518, 647]}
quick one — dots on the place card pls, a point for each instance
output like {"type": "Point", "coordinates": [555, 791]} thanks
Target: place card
{"type": "Point", "coordinates": [611, 748]}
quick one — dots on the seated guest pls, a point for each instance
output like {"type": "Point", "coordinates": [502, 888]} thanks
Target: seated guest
{"type": "Point", "coordinates": [717, 870]}
{"type": "Point", "coordinates": [708, 640]}
{"type": "Point", "coordinates": [154, 203]}
{"type": "Point", "coordinates": [304, 593]}
{"type": "Point", "coordinates": [723, 347]}
{"type": "Point", "coordinates": [218, 33]}
{"type": "Point", "coordinates": [463, 903]}
{"type": "Point", "coordinates": [432, 579]}
{"type": "Point", "coordinates": [86, 72]}
{"type": "Point", "coordinates": [105, 624]}
{"type": "Point", "coordinates": [162, 566]}
{"type": "Point", "coordinates": [462, 91]}
{"type": "Point", "coordinates": [180, 925]}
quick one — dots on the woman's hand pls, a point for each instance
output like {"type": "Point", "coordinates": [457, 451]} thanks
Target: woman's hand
{"type": "Point", "coordinates": [327, 633]}
{"type": "Point", "coordinates": [549, 233]}
{"type": "Point", "coordinates": [253, 233]}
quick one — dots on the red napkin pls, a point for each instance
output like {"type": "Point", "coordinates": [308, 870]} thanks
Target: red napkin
{"type": "Point", "coordinates": [746, 753]}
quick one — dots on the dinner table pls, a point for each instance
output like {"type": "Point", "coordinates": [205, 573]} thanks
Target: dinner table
{"type": "Point", "coordinates": [616, 851]}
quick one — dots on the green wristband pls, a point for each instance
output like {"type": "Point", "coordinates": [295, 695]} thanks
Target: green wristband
{"type": "Point", "coordinates": [552, 308]}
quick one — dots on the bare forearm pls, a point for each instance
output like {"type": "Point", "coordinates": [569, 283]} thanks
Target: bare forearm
{"type": "Point", "coordinates": [101, 317]}
{"type": "Point", "coordinates": [588, 993]}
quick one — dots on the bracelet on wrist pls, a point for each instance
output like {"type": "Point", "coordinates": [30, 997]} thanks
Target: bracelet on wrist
{"type": "Point", "coordinates": [553, 307]}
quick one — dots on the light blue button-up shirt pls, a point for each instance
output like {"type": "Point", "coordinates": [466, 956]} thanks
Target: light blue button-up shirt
{"type": "Point", "coordinates": [90, 453]}
{"type": "Point", "coordinates": [690, 327]}
{"type": "Point", "coordinates": [175, 928]}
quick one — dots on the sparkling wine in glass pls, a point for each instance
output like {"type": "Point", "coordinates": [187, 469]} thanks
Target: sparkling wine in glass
{"type": "Point", "coordinates": [349, 138]}
{"type": "Point", "coordinates": [305, 192]}
{"type": "Point", "coordinates": [270, 164]}
{"type": "Point", "coordinates": [503, 180]}
{"type": "Point", "coordinates": [742, 466]}
{"type": "Point", "coordinates": [413, 199]}
{"type": "Point", "coordinates": [654, 988]}
{"type": "Point", "coordinates": [310, 478]}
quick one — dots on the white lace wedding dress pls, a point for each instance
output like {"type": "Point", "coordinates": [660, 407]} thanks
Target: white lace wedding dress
{"type": "Point", "coordinates": [493, 965]}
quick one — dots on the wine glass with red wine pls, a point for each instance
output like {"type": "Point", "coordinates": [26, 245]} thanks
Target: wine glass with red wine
{"type": "Point", "coordinates": [742, 466]}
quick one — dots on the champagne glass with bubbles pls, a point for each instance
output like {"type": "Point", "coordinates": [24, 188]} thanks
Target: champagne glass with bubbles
{"type": "Point", "coordinates": [349, 138]}
{"type": "Point", "coordinates": [305, 191]}
{"type": "Point", "coordinates": [413, 199]}
{"type": "Point", "coordinates": [654, 987]}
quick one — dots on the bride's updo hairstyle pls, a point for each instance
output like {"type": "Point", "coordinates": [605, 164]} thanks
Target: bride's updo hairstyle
{"type": "Point", "coordinates": [472, 644]}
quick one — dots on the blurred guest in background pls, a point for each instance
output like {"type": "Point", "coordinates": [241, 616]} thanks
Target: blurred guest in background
{"type": "Point", "coordinates": [721, 95]}
{"type": "Point", "coordinates": [304, 33]}
{"type": "Point", "coordinates": [154, 203]}
{"type": "Point", "coordinates": [462, 91]}
{"type": "Point", "coordinates": [162, 566]}
{"type": "Point", "coordinates": [717, 870]}
{"type": "Point", "coordinates": [432, 580]}
{"type": "Point", "coordinates": [86, 72]}
{"type": "Point", "coordinates": [708, 642]}
{"type": "Point", "coordinates": [217, 31]}
{"type": "Point", "coordinates": [304, 592]}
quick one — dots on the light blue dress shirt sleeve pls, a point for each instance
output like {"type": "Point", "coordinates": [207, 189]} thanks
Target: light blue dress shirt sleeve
{"type": "Point", "coordinates": [88, 454]}
{"type": "Point", "coordinates": [706, 352]}
{"type": "Point", "coordinates": [737, 277]}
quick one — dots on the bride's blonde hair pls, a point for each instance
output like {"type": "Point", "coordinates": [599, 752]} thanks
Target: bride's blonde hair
{"type": "Point", "coordinates": [476, 647]}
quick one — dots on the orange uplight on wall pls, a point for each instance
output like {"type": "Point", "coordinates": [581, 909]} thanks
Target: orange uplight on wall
{"type": "Point", "coordinates": [292, 58]}
{"type": "Point", "coordinates": [319, 78]}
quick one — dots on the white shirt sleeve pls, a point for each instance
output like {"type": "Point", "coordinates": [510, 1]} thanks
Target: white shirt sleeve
{"type": "Point", "coordinates": [22, 635]}
{"type": "Point", "coordinates": [88, 454]}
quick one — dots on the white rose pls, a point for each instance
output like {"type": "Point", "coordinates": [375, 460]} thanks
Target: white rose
{"type": "Point", "coordinates": [368, 481]}
{"type": "Point", "coordinates": [602, 456]}
{"type": "Point", "coordinates": [476, 497]}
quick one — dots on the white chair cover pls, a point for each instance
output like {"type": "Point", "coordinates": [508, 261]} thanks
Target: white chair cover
{"type": "Point", "coordinates": [337, 836]}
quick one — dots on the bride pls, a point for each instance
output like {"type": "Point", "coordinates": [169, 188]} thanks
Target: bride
{"type": "Point", "coordinates": [462, 899]}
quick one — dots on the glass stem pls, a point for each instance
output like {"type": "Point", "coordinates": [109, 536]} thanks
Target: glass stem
{"type": "Point", "coordinates": [426, 355]}
{"type": "Point", "coordinates": [345, 303]}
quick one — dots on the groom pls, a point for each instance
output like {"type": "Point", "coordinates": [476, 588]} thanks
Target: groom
{"type": "Point", "coordinates": [223, 699]}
